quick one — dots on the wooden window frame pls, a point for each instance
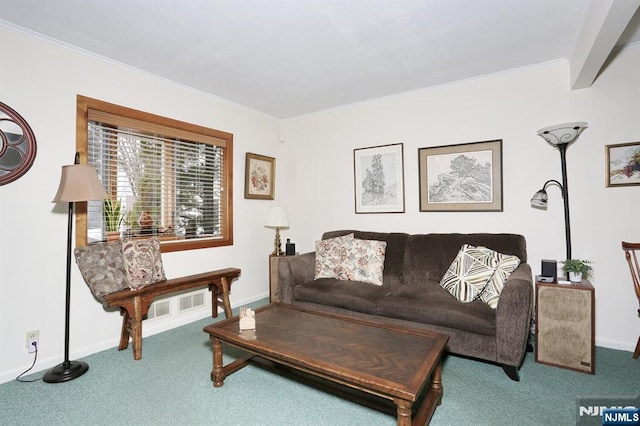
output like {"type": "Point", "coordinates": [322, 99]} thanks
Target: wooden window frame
{"type": "Point", "coordinates": [84, 104]}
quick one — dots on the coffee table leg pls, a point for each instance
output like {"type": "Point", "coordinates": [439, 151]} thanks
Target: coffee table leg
{"type": "Point", "coordinates": [217, 374]}
{"type": "Point", "coordinates": [404, 412]}
{"type": "Point", "coordinates": [436, 378]}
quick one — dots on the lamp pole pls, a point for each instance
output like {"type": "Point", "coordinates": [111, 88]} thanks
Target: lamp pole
{"type": "Point", "coordinates": [565, 196]}
{"type": "Point", "coordinates": [77, 183]}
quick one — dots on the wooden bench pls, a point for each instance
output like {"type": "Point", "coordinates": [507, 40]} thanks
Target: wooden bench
{"type": "Point", "coordinates": [134, 304]}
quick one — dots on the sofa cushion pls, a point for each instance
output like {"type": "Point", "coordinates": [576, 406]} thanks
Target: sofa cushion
{"type": "Point", "coordinates": [330, 256]}
{"type": "Point", "coordinates": [469, 273]}
{"type": "Point", "coordinates": [142, 262]}
{"type": "Point", "coordinates": [102, 267]}
{"type": "Point", "coordinates": [506, 264]}
{"type": "Point", "coordinates": [429, 255]}
{"type": "Point", "coordinates": [353, 295]}
{"type": "Point", "coordinates": [434, 305]}
{"type": "Point", "coordinates": [364, 261]}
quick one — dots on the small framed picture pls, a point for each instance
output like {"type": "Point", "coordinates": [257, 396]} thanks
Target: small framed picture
{"type": "Point", "coordinates": [466, 177]}
{"type": "Point", "coordinates": [259, 177]}
{"type": "Point", "coordinates": [623, 164]}
{"type": "Point", "coordinates": [379, 179]}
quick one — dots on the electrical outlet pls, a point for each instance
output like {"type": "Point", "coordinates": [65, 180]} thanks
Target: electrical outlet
{"type": "Point", "coordinates": [33, 337]}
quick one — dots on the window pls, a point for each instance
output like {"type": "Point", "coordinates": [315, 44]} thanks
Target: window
{"type": "Point", "coordinates": [164, 177]}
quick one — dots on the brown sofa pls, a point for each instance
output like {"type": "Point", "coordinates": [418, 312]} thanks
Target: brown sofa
{"type": "Point", "coordinates": [411, 294]}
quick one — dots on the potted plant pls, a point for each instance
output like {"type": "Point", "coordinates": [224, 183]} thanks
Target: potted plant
{"type": "Point", "coordinates": [577, 269]}
{"type": "Point", "coordinates": [112, 218]}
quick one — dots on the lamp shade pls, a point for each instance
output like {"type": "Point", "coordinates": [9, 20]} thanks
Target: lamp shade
{"type": "Point", "coordinates": [540, 199]}
{"type": "Point", "coordinates": [79, 182]}
{"type": "Point", "coordinates": [561, 134]}
{"type": "Point", "coordinates": [277, 218]}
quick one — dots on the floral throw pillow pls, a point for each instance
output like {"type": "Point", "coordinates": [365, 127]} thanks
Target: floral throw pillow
{"type": "Point", "coordinates": [364, 261]}
{"type": "Point", "coordinates": [330, 254]}
{"type": "Point", "coordinates": [142, 262]}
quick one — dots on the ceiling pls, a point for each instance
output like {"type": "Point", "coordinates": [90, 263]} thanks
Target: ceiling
{"type": "Point", "coordinates": [288, 58]}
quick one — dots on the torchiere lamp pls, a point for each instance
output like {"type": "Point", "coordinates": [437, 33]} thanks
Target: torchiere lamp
{"type": "Point", "coordinates": [78, 182]}
{"type": "Point", "coordinates": [277, 219]}
{"type": "Point", "coordinates": [560, 136]}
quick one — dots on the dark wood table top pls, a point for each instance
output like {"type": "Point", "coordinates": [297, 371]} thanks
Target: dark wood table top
{"type": "Point", "coordinates": [387, 360]}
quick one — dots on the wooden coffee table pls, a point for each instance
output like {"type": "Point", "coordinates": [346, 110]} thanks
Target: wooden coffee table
{"type": "Point", "coordinates": [390, 362]}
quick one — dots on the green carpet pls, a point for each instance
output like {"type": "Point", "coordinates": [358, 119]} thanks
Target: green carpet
{"type": "Point", "coordinates": [171, 385]}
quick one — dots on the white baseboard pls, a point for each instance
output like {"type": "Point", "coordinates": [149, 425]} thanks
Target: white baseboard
{"type": "Point", "coordinates": [150, 327]}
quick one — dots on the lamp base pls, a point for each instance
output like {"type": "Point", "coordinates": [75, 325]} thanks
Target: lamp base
{"type": "Point", "coordinates": [66, 371]}
{"type": "Point", "coordinates": [277, 250]}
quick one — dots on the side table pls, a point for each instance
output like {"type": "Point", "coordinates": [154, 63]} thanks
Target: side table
{"type": "Point", "coordinates": [274, 294]}
{"type": "Point", "coordinates": [565, 325]}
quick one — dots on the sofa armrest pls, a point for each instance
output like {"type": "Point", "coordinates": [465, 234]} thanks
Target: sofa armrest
{"type": "Point", "coordinates": [513, 317]}
{"type": "Point", "coordinates": [294, 270]}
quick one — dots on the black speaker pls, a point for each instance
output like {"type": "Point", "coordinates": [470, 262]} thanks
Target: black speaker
{"type": "Point", "coordinates": [549, 269]}
{"type": "Point", "coordinates": [289, 248]}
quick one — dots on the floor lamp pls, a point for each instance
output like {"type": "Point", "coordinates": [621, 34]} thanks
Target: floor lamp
{"type": "Point", "coordinates": [560, 136]}
{"type": "Point", "coordinates": [78, 182]}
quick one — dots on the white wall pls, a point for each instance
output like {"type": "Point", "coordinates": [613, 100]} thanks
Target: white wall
{"type": "Point", "coordinates": [318, 182]}
{"type": "Point", "coordinates": [40, 80]}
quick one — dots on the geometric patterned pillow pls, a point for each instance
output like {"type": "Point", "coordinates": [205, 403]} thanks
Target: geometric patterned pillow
{"type": "Point", "coordinates": [364, 261]}
{"type": "Point", "coordinates": [101, 267]}
{"type": "Point", "coordinates": [330, 254]}
{"type": "Point", "coordinates": [506, 264]}
{"type": "Point", "coordinates": [469, 273]}
{"type": "Point", "coordinates": [142, 262]}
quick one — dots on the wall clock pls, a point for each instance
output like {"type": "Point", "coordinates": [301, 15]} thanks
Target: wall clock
{"type": "Point", "coordinates": [17, 145]}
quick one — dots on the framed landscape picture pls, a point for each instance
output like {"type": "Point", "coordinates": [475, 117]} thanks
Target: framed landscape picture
{"type": "Point", "coordinates": [623, 164]}
{"type": "Point", "coordinates": [466, 177]}
{"type": "Point", "coordinates": [379, 179]}
{"type": "Point", "coordinates": [259, 177]}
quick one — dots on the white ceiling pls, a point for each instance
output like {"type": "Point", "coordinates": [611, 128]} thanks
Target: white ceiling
{"type": "Point", "coordinates": [292, 57]}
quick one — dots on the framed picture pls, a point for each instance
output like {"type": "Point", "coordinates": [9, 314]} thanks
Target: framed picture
{"type": "Point", "coordinates": [466, 177]}
{"type": "Point", "coordinates": [379, 179]}
{"type": "Point", "coordinates": [623, 164]}
{"type": "Point", "coordinates": [259, 177]}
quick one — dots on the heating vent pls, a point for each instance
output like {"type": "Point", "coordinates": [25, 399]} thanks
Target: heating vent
{"type": "Point", "coordinates": [159, 309]}
{"type": "Point", "coordinates": [191, 301]}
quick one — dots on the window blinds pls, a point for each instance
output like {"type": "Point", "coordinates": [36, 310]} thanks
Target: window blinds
{"type": "Point", "coordinates": [174, 177]}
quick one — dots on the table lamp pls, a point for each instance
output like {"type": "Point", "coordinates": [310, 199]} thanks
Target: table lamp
{"type": "Point", "coordinates": [277, 219]}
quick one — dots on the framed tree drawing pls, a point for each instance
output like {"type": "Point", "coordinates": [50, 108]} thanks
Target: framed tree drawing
{"type": "Point", "coordinates": [623, 164]}
{"type": "Point", "coordinates": [466, 177]}
{"type": "Point", "coordinates": [379, 179]}
{"type": "Point", "coordinates": [259, 177]}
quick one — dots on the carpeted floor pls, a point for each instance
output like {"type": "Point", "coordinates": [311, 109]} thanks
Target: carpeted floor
{"type": "Point", "coordinates": [171, 385]}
